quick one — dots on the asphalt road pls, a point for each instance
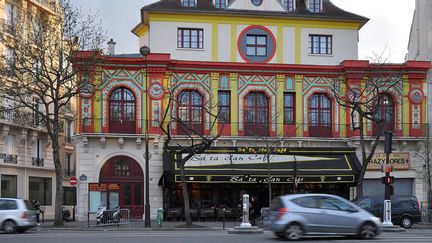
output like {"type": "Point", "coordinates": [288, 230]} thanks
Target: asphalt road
{"type": "Point", "coordinates": [201, 236]}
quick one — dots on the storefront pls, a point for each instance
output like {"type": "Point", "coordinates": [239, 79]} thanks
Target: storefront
{"type": "Point", "coordinates": [221, 175]}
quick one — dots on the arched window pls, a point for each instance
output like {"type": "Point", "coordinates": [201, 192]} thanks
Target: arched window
{"type": "Point", "coordinates": [384, 114]}
{"type": "Point", "coordinates": [320, 116]}
{"type": "Point", "coordinates": [190, 112]}
{"type": "Point", "coordinates": [256, 114]}
{"type": "Point", "coordinates": [122, 111]}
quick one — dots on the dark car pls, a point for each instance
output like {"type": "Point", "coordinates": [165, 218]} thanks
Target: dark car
{"type": "Point", "coordinates": [405, 210]}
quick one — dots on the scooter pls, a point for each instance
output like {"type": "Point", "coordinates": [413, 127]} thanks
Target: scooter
{"type": "Point", "coordinates": [100, 215]}
{"type": "Point", "coordinates": [116, 215]}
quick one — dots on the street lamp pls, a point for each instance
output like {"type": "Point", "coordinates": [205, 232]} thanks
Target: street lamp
{"type": "Point", "coordinates": [145, 50]}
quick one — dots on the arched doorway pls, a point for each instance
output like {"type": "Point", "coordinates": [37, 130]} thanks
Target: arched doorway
{"type": "Point", "coordinates": [128, 174]}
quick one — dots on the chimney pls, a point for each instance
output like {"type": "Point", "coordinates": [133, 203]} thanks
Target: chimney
{"type": "Point", "coordinates": [111, 47]}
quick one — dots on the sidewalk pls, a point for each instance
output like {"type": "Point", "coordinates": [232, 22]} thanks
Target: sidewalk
{"type": "Point", "coordinates": [138, 225]}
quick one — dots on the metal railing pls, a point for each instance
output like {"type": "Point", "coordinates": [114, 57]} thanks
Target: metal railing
{"type": "Point", "coordinates": [38, 162]}
{"type": "Point", "coordinates": [426, 212]}
{"type": "Point", "coordinates": [333, 130]}
{"type": "Point", "coordinates": [109, 217]}
{"type": "Point", "coordinates": [9, 158]}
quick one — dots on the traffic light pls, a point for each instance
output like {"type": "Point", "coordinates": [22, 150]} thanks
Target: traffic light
{"type": "Point", "coordinates": [387, 180]}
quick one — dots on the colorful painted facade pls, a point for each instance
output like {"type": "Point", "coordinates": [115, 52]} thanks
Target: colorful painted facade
{"type": "Point", "coordinates": [284, 95]}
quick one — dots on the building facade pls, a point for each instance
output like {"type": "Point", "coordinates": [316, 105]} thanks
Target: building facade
{"type": "Point", "coordinates": [26, 165]}
{"type": "Point", "coordinates": [270, 69]}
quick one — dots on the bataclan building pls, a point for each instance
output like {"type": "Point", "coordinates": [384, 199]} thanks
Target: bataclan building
{"type": "Point", "coordinates": [270, 71]}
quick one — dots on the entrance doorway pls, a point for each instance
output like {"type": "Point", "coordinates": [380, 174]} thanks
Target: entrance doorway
{"type": "Point", "coordinates": [127, 173]}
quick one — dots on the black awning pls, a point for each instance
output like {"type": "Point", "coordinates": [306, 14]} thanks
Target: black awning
{"type": "Point", "coordinates": [250, 165]}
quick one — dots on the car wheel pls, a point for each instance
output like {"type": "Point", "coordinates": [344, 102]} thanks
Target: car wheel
{"type": "Point", "coordinates": [294, 231]}
{"type": "Point", "coordinates": [406, 222]}
{"type": "Point", "coordinates": [367, 231]}
{"type": "Point", "coordinates": [9, 226]}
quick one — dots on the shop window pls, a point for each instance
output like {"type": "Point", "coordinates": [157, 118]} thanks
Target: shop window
{"type": "Point", "coordinates": [40, 189]}
{"type": "Point", "coordinates": [8, 186]}
{"type": "Point", "coordinates": [289, 108]}
{"type": "Point", "coordinates": [220, 3]}
{"type": "Point", "coordinates": [256, 114]}
{"type": "Point", "coordinates": [122, 111]}
{"type": "Point", "coordinates": [321, 44]}
{"type": "Point", "coordinates": [190, 112]}
{"type": "Point", "coordinates": [224, 106]}
{"type": "Point", "coordinates": [314, 6]}
{"type": "Point", "coordinates": [289, 5]}
{"type": "Point", "coordinates": [384, 114]}
{"type": "Point", "coordinates": [319, 116]}
{"type": "Point", "coordinates": [188, 3]}
{"type": "Point", "coordinates": [190, 38]}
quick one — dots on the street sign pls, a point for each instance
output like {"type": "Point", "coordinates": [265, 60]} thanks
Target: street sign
{"type": "Point", "coordinates": [73, 181]}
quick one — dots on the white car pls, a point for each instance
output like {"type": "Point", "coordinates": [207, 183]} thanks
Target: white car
{"type": "Point", "coordinates": [16, 215]}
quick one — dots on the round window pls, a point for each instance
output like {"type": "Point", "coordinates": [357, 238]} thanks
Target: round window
{"type": "Point", "coordinates": [256, 44]}
{"type": "Point", "coordinates": [256, 2]}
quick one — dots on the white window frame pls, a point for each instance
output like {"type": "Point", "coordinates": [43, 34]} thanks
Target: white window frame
{"type": "Point", "coordinates": [308, 6]}
{"type": "Point", "coordinates": [222, 1]}
{"type": "Point", "coordinates": [286, 4]}
{"type": "Point", "coordinates": [10, 145]}
{"type": "Point", "coordinates": [183, 3]}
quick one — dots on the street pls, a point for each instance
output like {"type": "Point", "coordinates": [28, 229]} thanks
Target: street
{"type": "Point", "coordinates": [188, 236]}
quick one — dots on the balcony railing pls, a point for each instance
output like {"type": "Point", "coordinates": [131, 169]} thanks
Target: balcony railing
{"type": "Point", "coordinates": [49, 4]}
{"type": "Point", "coordinates": [69, 172]}
{"type": "Point", "coordinates": [136, 127]}
{"type": "Point", "coordinates": [9, 158]}
{"type": "Point", "coordinates": [24, 119]}
{"type": "Point", "coordinates": [39, 162]}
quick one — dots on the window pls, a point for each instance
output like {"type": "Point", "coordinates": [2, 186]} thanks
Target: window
{"type": "Point", "coordinates": [257, 2]}
{"type": "Point", "coordinates": [10, 57]}
{"type": "Point", "coordinates": [122, 111]}
{"type": "Point", "coordinates": [190, 38]}
{"type": "Point", "coordinates": [320, 116]}
{"type": "Point", "coordinates": [307, 202]}
{"type": "Point", "coordinates": [8, 204]}
{"type": "Point", "coordinates": [10, 14]}
{"type": "Point", "coordinates": [36, 112]}
{"type": "Point", "coordinates": [256, 114]}
{"type": "Point", "coordinates": [38, 153]}
{"type": "Point", "coordinates": [8, 186]}
{"type": "Point", "coordinates": [220, 3]}
{"type": "Point", "coordinates": [334, 204]}
{"type": "Point", "coordinates": [190, 112]}
{"type": "Point", "coordinates": [40, 189]}
{"type": "Point", "coordinates": [289, 108]}
{"type": "Point", "coordinates": [314, 6]}
{"type": "Point", "coordinates": [256, 45]}
{"type": "Point", "coordinates": [289, 5]}
{"type": "Point", "coordinates": [121, 168]}
{"type": "Point", "coordinates": [224, 106]}
{"type": "Point", "coordinates": [188, 3]}
{"type": "Point", "coordinates": [68, 131]}
{"type": "Point", "coordinates": [10, 145]}
{"type": "Point", "coordinates": [69, 170]}
{"type": "Point", "coordinates": [385, 112]}
{"type": "Point", "coordinates": [320, 44]}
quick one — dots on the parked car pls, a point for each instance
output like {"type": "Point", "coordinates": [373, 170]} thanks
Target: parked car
{"type": "Point", "coordinates": [296, 215]}
{"type": "Point", "coordinates": [405, 210]}
{"type": "Point", "coordinates": [16, 215]}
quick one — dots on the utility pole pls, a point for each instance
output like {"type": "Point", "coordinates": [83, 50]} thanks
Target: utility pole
{"type": "Point", "coordinates": [387, 180]}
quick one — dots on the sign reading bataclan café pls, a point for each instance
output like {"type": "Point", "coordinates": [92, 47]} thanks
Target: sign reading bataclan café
{"type": "Point", "coordinates": [400, 160]}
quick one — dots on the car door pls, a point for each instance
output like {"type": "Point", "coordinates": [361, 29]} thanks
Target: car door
{"type": "Point", "coordinates": [309, 212]}
{"type": "Point", "coordinates": [2, 211]}
{"type": "Point", "coordinates": [337, 216]}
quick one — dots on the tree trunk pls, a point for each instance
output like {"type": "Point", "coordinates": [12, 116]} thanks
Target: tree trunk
{"type": "Point", "coordinates": [58, 220]}
{"type": "Point", "coordinates": [185, 194]}
{"type": "Point", "coordinates": [364, 162]}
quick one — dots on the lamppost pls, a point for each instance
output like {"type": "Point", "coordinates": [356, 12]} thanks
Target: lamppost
{"type": "Point", "coordinates": [144, 51]}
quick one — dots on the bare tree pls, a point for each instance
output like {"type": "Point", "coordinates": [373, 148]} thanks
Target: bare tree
{"type": "Point", "coordinates": [364, 100]}
{"type": "Point", "coordinates": [197, 142]}
{"type": "Point", "coordinates": [36, 72]}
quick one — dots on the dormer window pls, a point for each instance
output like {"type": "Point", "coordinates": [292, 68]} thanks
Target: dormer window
{"type": "Point", "coordinates": [189, 3]}
{"type": "Point", "coordinates": [289, 5]}
{"type": "Point", "coordinates": [220, 3]}
{"type": "Point", "coordinates": [314, 6]}
{"type": "Point", "coordinates": [257, 2]}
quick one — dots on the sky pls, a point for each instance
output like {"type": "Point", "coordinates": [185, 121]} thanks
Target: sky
{"type": "Point", "coordinates": [386, 34]}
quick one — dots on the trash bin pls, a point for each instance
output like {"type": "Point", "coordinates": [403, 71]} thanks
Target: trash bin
{"type": "Point", "coordinates": [159, 217]}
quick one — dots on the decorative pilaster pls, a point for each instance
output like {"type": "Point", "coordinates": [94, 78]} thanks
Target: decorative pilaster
{"type": "Point", "coordinates": [299, 105]}
{"type": "Point", "coordinates": [406, 106]}
{"type": "Point", "coordinates": [280, 108]}
{"type": "Point", "coordinates": [214, 101]}
{"type": "Point", "coordinates": [234, 104]}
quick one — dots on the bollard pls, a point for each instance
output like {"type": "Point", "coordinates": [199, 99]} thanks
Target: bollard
{"type": "Point", "coordinates": [223, 210]}
{"type": "Point", "coordinates": [159, 217]}
{"type": "Point", "coordinates": [245, 204]}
